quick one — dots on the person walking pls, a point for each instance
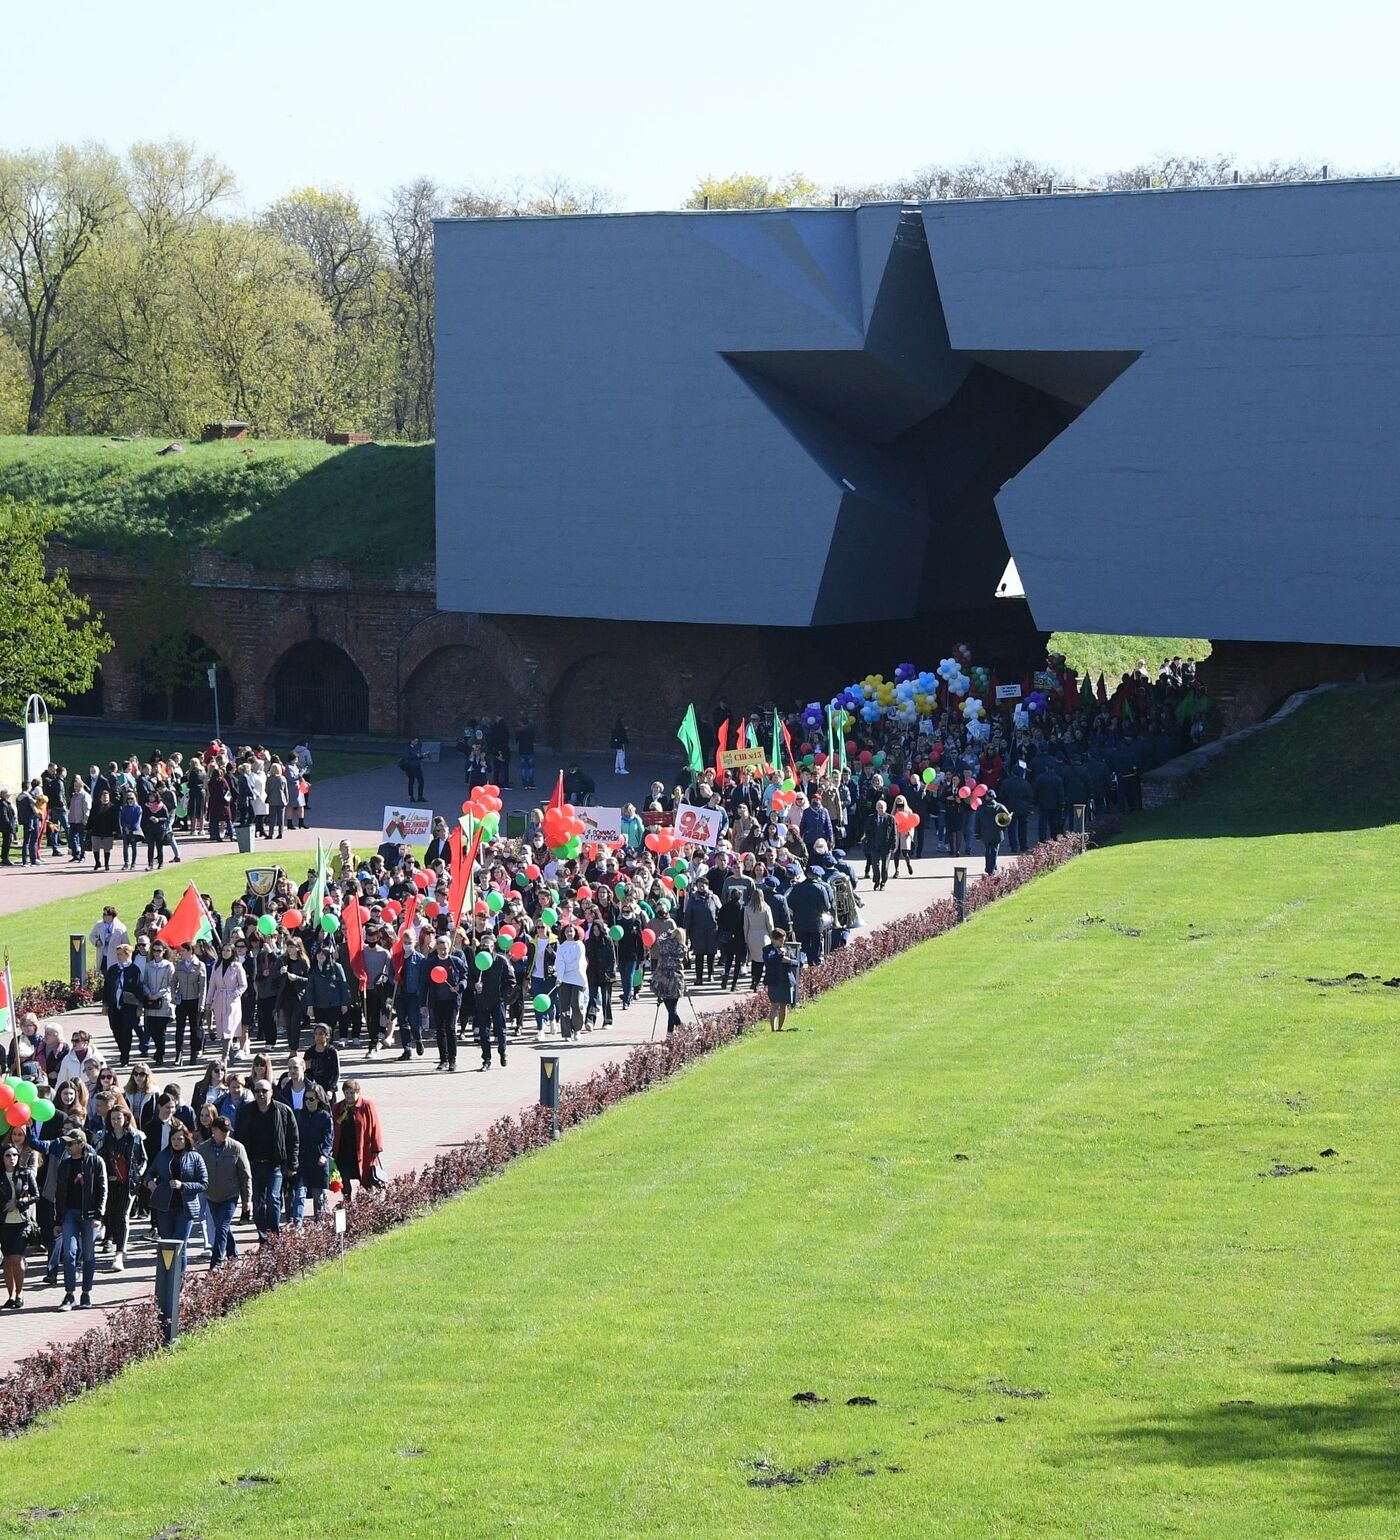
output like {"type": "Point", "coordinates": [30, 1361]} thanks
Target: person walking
{"type": "Point", "coordinates": [315, 1146]}
{"type": "Point", "coordinates": [19, 1195]}
{"type": "Point", "coordinates": [781, 971]}
{"type": "Point", "coordinates": [570, 965]}
{"type": "Point", "coordinates": [9, 826]}
{"type": "Point", "coordinates": [79, 810]}
{"type": "Point", "coordinates": [227, 982]}
{"type": "Point", "coordinates": [991, 829]}
{"type": "Point", "coordinates": [267, 1130]}
{"type": "Point", "coordinates": [447, 978]}
{"type": "Point", "coordinates": [490, 988]}
{"type": "Point", "coordinates": [701, 921]}
{"type": "Point", "coordinates": [79, 1202]}
{"type": "Point", "coordinates": [412, 766]}
{"type": "Point", "coordinates": [230, 1178]}
{"type": "Point", "coordinates": [619, 747]}
{"type": "Point", "coordinates": [758, 931]}
{"type": "Point", "coordinates": [122, 1149]}
{"type": "Point", "coordinates": [879, 842]}
{"type": "Point", "coordinates": [668, 970]}
{"type": "Point", "coordinates": [359, 1140]}
{"type": "Point", "coordinates": [176, 1182]}
{"type": "Point", "coordinates": [158, 983]}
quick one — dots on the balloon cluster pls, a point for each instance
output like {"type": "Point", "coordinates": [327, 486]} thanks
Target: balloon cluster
{"type": "Point", "coordinates": [1036, 701]}
{"type": "Point", "coordinates": [485, 805]}
{"type": "Point", "coordinates": [20, 1102]}
{"type": "Point", "coordinates": [905, 821]}
{"type": "Point", "coordinates": [950, 671]}
{"type": "Point", "coordinates": [661, 841]}
{"type": "Point", "coordinates": [973, 795]}
{"type": "Point", "coordinates": [563, 831]}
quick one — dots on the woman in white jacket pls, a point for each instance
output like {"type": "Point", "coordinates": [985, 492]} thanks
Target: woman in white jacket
{"type": "Point", "coordinates": [257, 779]}
{"type": "Point", "coordinates": [570, 964]}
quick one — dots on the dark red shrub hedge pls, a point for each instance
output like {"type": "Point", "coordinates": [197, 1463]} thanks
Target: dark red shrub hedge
{"type": "Point", "coordinates": [57, 1373]}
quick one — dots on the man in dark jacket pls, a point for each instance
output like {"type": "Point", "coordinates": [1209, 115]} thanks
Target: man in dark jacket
{"type": "Point", "coordinates": [989, 831]}
{"type": "Point", "coordinates": [1049, 802]}
{"type": "Point", "coordinates": [322, 1061]}
{"type": "Point", "coordinates": [267, 1130]}
{"type": "Point", "coordinates": [808, 902]}
{"type": "Point", "coordinates": [1019, 799]}
{"type": "Point", "coordinates": [490, 989]}
{"type": "Point", "coordinates": [815, 825]}
{"type": "Point", "coordinates": [80, 1202]}
{"type": "Point", "coordinates": [879, 841]}
{"type": "Point", "coordinates": [444, 997]}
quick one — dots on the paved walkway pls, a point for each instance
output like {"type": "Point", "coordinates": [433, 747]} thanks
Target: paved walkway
{"type": "Point", "coordinates": [423, 1111]}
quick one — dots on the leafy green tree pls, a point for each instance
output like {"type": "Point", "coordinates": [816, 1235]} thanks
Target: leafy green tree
{"type": "Point", "coordinates": [53, 205]}
{"type": "Point", "coordinates": [753, 190]}
{"type": "Point", "coordinates": [50, 642]}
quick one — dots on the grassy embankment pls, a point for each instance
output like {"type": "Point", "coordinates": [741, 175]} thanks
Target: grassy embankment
{"type": "Point", "coordinates": [1114, 656]}
{"type": "Point", "coordinates": [272, 502]}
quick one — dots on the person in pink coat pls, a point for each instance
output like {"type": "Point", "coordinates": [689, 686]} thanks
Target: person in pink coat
{"type": "Point", "coordinates": [227, 982]}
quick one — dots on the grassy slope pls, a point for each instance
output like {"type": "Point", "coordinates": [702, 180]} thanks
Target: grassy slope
{"type": "Point", "coordinates": [259, 499]}
{"type": "Point", "coordinates": [1114, 656]}
{"type": "Point", "coordinates": [598, 1342]}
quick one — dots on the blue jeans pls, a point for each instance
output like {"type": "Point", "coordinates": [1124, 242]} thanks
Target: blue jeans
{"type": "Point", "coordinates": [173, 1224]}
{"type": "Point", "coordinates": [527, 769]}
{"type": "Point", "coordinates": [78, 1231]}
{"type": "Point", "coordinates": [29, 851]}
{"type": "Point", "coordinates": [223, 1244]}
{"type": "Point", "coordinates": [300, 1192]}
{"type": "Point", "coordinates": [267, 1196]}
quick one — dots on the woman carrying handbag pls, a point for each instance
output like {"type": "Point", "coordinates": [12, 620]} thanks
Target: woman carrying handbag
{"type": "Point", "coordinates": [18, 1195]}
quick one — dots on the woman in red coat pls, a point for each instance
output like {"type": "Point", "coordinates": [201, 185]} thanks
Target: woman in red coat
{"type": "Point", "coordinates": [358, 1140]}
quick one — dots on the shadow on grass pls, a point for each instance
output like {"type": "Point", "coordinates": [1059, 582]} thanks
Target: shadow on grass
{"type": "Point", "coordinates": [1348, 1446]}
{"type": "Point", "coordinates": [374, 502]}
{"type": "Point", "coordinates": [1328, 768]}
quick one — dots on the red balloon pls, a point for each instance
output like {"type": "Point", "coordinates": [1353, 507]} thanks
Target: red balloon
{"type": "Point", "coordinates": [532, 872]}
{"type": "Point", "coordinates": [491, 789]}
{"type": "Point", "coordinates": [292, 920]}
{"type": "Point", "coordinates": [391, 910]}
{"type": "Point", "coordinates": [964, 792]}
{"type": "Point", "coordinates": [422, 881]}
{"type": "Point", "coordinates": [979, 790]}
{"type": "Point", "coordinates": [7, 1097]}
{"type": "Point", "coordinates": [584, 894]}
{"type": "Point", "coordinates": [432, 909]}
{"type": "Point", "coordinates": [655, 842]}
{"type": "Point", "coordinates": [648, 938]}
{"type": "Point", "coordinates": [18, 1115]}
{"type": "Point", "coordinates": [479, 907]}
{"type": "Point", "coordinates": [805, 749]}
{"type": "Point", "coordinates": [866, 756]}
{"type": "Point", "coordinates": [467, 805]}
{"type": "Point", "coordinates": [851, 745]}
{"type": "Point", "coordinates": [509, 930]}
{"type": "Point", "coordinates": [518, 950]}
{"type": "Point", "coordinates": [668, 882]}
{"type": "Point", "coordinates": [438, 975]}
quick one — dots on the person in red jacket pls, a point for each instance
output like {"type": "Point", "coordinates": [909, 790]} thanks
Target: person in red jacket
{"type": "Point", "coordinates": [359, 1142]}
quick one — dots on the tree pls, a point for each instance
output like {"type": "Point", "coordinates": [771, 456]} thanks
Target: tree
{"type": "Point", "coordinates": [53, 205]}
{"type": "Point", "coordinates": [551, 194]}
{"type": "Point", "coordinates": [408, 229]}
{"type": "Point", "coordinates": [753, 190]}
{"type": "Point", "coordinates": [1206, 171]}
{"type": "Point", "coordinates": [50, 643]}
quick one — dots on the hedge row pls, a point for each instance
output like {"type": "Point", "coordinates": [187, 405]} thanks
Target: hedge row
{"type": "Point", "coordinates": [60, 1371]}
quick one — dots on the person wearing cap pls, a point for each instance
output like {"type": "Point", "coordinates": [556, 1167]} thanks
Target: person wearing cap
{"type": "Point", "coordinates": [267, 1130]}
{"type": "Point", "coordinates": [989, 830]}
{"type": "Point", "coordinates": [79, 1203]}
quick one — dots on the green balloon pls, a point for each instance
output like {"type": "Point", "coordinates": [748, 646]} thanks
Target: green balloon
{"type": "Point", "coordinates": [636, 977]}
{"type": "Point", "coordinates": [43, 1110]}
{"type": "Point", "coordinates": [549, 916]}
{"type": "Point", "coordinates": [809, 760]}
{"type": "Point", "coordinates": [267, 926]}
{"type": "Point", "coordinates": [329, 923]}
{"type": "Point", "coordinates": [554, 896]}
{"type": "Point", "coordinates": [541, 1004]}
{"type": "Point", "coordinates": [789, 784]}
{"type": "Point", "coordinates": [680, 864]}
{"type": "Point", "coordinates": [482, 961]}
{"type": "Point", "coordinates": [27, 1093]}
{"type": "Point", "coordinates": [878, 758]}
{"type": "Point", "coordinates": [615, 932]}
{"type": "Point", "coordinates": [647, 909]}
{"type": "Point", "coordinates": [521, 881]}
{"type": "Point", "coordinates": [682, 883]}
{"type": "Point", "coordinates": [930, 776]}
{"type": "Point", "coordinates": [620, 891]}
{"type": "Point", "coordinates": [495, 902]}
{"type": "Point", "coordinates": [503, 943]}
{"type": "Point", "coordinates": [663, 906]}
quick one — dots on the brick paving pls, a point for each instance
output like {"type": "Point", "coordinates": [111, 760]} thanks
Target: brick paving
{"type": "Point", "coordinates": [423, 1110]}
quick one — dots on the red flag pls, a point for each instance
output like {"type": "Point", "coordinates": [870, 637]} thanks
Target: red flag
{"type": "Point", "coordinates": [787, 744]}
{"type": "Point", "coordinates": [410, 910]}
{"type": "Point", "coordinates": [354, 928]}
{"type": "Point", "coordinates": [557, 800]}
{"type": "Point", "coordinates": [461, 876]}
{"type": "Point", "coordinates": [721, 744]}
{"type": "Point", "coordinates": [190, 922]}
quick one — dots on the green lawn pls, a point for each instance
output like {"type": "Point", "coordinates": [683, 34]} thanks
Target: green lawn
{"type": "Point", "coordinates": [249, 499]}
{"type": "Point", "coordinates": [1114, 656]}
{"type": "Point", "coordinates": [79, 752]}
{"type": "Point", "coordinates": [1010, 1187]}
{"type": "Point", "coordinates": [37, 938]}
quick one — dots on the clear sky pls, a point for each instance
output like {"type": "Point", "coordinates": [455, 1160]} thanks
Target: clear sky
{"type": "Point", "coordinates": [645, 98]}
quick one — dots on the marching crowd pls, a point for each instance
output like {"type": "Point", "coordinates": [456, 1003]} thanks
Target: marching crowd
{"type": "Point", "coordinates": [457, 943]}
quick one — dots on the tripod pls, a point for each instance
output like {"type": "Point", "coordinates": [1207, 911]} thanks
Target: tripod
{"type": "Point", "coordinates": [685, 995]}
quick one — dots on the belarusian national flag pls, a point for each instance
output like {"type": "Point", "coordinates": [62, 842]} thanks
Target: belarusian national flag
{"type": "Point", "coordinates": [7, 1015]}
{"type": "Point", "coordinates": [190, 922]}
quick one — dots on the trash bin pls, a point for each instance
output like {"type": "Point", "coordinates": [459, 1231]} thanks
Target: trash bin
{"type": "Point", "coordinates": [246, 844]}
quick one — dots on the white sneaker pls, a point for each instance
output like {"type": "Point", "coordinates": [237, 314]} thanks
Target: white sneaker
{"type": "Point", "coordinates": [119, 1262]}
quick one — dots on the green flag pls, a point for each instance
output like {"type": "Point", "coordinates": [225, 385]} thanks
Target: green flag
{"type": "Point", "coordinates": [775, 757]}
{"type": "Point", "coordinates": [751, 736]}
{"type": "Point", "coordinates": [689, 734]}
{"type": "Point", "coordinates": [316, 897]}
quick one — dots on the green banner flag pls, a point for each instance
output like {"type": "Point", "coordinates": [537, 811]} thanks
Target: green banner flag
{"type": "Point", "coordinates": [689, 734]}
{"type": "Point", "coordinates": [775, 757]}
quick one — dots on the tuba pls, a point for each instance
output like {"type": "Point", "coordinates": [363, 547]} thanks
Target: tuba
{"type": "Point", "coordinates": [1003, 817]}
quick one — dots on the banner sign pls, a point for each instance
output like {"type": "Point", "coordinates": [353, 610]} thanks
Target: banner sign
{"type": "Point", "coordinates": [602, 825]}
{"type": "Point", "coordinates": [1045, 680]}
{"type": "Point", "coordinates": [407, 825]}
{"type": "Point", "coordinates": [654, 820]}
{"type": "Point", "coordinates": [743, 759]}
{"type": "Point", "coordinates": [1008, 692]}
{"type": "Point", "coordinates": [699, 825]}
